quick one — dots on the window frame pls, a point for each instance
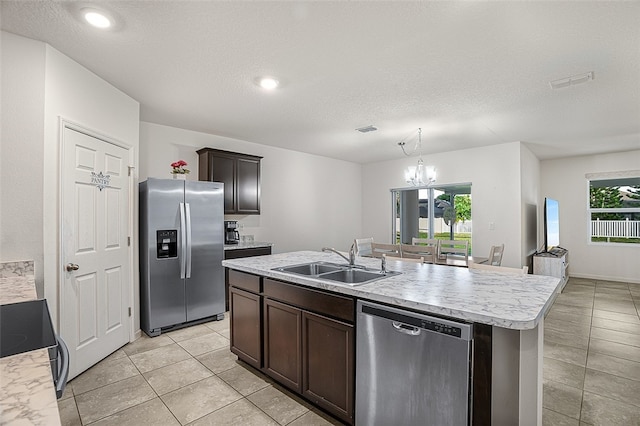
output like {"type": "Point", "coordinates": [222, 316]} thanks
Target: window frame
{"type": "Point", "coordinates": [611, 176]}
{"type": "Point", "coordinates": [432, 188]}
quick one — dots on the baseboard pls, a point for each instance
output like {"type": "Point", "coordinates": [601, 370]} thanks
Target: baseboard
{"type": "Point", "coordinates": [605, 278]}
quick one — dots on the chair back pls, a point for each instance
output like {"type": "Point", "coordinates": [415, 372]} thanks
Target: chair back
{"type": "Point", "coordinates": [424, 241]}
{"type": "Point", "coordinates": [406, 259]}
{"type": "Point", "coordinates": [455, 248]}
{"type": "Point", "coordinates": [363, 246]}
{"type": "Point", "coordinates": [495, 255]}
{"type": "Point", "coordinates": [391, 250]}
{"type": "Point", "coordinates": [426, 253]}
{"type": "Point", "coordinates": [500, 269]}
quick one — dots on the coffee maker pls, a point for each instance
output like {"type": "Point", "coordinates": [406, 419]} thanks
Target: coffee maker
{"type": "Point", "coordinates": [231, 234]}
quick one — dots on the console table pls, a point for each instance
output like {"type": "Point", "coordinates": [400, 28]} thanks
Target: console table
{"type": "Point", "coordinates": [554, 263]}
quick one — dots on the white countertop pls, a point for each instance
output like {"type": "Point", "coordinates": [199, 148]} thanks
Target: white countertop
{"type": "Point", "coordinates": [507, 301]}
{"type": "Point", "coordinates": [27, 394]}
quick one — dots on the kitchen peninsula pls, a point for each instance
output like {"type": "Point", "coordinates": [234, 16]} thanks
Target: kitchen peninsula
{"type": "Point", "coordinates": [507, 313]}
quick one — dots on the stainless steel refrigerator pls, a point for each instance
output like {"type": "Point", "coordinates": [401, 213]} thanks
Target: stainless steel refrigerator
{"type": "Point", "coordinates": [181, 250]}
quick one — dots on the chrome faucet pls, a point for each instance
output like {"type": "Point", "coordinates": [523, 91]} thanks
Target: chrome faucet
{"type": "Point", "coordinates": [383, 264]}
{"type": "Point", "coordinates": [352, 254]}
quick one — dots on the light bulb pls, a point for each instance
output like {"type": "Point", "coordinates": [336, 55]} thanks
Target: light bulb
{"type": "Point", "coordinates": [269, 83]}
{"type": "Point", "coordinates": [97, 19]}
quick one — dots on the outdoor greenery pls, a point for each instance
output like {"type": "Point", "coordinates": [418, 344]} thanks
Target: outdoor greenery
{"type": "Point", "coordinates": [615, 240]}
{"type": "Point", "coordinates": [608, 197]}
{"type": "Point", "coordinates": [611, 197]}
{"type": "Point", "coordinates": [462, 205]}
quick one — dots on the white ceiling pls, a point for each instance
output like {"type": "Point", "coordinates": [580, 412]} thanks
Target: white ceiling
{"type": "Point", "coordinates": [469, 73]}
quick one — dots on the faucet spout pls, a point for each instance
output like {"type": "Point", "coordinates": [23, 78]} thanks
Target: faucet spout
{"type": "Point", "coordinates": [352, 255]}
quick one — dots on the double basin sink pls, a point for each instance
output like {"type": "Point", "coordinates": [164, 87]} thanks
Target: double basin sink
{"type": "Point", "coordinates": [351, 275]}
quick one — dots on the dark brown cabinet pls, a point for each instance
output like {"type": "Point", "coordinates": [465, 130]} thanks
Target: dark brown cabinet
{"type": "Point", "coordinates": [309, 344]}
{"type": "Point", "coordinates": [282, 343]}
{"type": "Point", "coordinates": [240, 174]}
{"type": "Point", "coordinates": [303, 338]}
{"type": "Point", "coordinates": [327, 363]}
{"type": "Point", "coordinates": [245, 317]}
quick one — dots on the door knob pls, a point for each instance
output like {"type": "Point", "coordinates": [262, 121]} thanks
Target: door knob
{"type": "Point", "coordinates": [72, 267]}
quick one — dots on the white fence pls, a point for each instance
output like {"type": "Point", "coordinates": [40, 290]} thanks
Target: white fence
{"type": "Point", "coordinates": [615, 228]}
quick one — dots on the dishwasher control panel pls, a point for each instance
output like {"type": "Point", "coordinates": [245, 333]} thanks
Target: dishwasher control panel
{"type": "Point", "coordinates": [428, 323]}
{"type": "Point", "coordinates": [441, 328]}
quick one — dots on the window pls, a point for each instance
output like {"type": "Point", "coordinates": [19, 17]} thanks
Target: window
{"type": "Point", "coordinates": [451, 219]}
{"type": "Point", "coordinates": [614, 208]}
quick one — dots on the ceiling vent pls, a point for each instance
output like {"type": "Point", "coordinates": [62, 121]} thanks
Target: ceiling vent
{"type": "Point", "coordinates": [571, 81]}
{"type": "Point", "coordinates": [367, 129]}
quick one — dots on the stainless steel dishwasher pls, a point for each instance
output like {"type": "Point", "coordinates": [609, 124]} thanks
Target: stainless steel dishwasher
{"type": "Point", "coordinates": [412, 369]}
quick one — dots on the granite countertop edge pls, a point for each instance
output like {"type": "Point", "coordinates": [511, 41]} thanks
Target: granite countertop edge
{"type": "Point", "coordinates": [246, 245]}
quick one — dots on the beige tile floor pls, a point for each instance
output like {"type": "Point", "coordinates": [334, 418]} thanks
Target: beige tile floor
{"type": "Point", "coordinates": [188, 376]}
{"type": "Point", "coordinates": [592, 355]}
{"type": "Point", "coordinates": [184, 377]}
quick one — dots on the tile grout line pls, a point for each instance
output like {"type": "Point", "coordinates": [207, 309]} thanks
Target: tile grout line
{"type": "Point", "coordinates": [586, 360]}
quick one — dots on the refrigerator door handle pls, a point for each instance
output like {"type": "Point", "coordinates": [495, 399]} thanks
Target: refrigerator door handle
{"type": "Point", "coordinates": [183, 242]}
{"type": "Point", "coordinates": [188, 238]}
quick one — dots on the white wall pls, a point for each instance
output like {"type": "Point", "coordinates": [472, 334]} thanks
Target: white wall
{"type": "Point", "coordinates": [564, 180]}
{"type": "Point", "coordinates": [22, 152]}
{"type": "Point", "coordinates": [307, 201]}
{"type": "Point", "coordinates": [529, 183]}
{"type": "Point", "coordinates": [494, 173]}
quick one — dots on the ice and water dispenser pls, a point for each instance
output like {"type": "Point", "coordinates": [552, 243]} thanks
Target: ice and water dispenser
{"type": "Point", "coordinates": [167, 243]}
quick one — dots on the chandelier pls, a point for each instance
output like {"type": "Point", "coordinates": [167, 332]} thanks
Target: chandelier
{"type": "Point", "coordinates": [418, 175]}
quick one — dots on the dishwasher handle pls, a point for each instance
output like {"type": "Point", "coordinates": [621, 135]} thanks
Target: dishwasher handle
{"type": "Point", "coordinates": [406, 329]}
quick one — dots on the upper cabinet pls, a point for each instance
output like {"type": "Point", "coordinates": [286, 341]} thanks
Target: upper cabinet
{"type": "Point", "coordinates": [240, 174]}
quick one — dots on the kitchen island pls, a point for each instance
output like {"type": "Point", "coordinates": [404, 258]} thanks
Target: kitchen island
{"type": "Point", "coordinates": [507, 312]}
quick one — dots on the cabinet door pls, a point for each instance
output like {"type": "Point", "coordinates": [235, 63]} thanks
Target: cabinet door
{"type": "Point", "coordinates": [282, 343]}
{"type": "Point", "coordinates": [248, 186]}
{"type": "Point", "coordinates": [245, 326]}
{"type": "Point", "coordinates": [328, 364]}
{"type": "Point", "coordinates": [223, 169]}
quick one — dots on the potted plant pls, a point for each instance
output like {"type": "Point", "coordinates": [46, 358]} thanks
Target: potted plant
{"type": "Point", "coordinates": [178, 170]}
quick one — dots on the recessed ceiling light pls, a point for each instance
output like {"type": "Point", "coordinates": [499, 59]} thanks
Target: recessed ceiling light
{"type": "Point", "coordinates": [268, 83]}
{"type": "Point", "coordinates": [96, 18]}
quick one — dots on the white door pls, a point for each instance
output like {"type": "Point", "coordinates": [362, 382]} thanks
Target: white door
{"type": "Point", "coordinates": [95, 293]}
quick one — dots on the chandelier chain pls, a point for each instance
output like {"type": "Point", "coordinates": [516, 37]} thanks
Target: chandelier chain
{"type": "Point", "coordinates": [416, 147]}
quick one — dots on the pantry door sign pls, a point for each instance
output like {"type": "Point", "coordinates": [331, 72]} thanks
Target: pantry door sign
{"type": "Point", "coordinates": [100, 180]}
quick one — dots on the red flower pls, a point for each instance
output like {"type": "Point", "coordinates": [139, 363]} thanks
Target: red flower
{"type": "Point", "coordinates": [178, 167]}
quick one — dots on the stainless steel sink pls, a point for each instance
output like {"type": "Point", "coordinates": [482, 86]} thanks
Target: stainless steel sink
{"type": "Point", "coordinates": [315, 268]}
{"type": "Point", "coordinates": [355, 276]}
{"type": "Point", "coordinates": [339, 273]}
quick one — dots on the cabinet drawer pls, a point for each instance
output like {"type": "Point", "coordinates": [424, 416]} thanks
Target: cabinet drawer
{"type": "Point", "coordinates": [245, 281]}
{"type": "Point", "coordinates": [248, 252]}
{"type": "Point", "coordinates": [312, 300]}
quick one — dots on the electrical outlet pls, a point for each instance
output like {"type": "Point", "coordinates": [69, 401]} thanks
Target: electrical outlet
{"type": "Point", "coordinates": [492, 226]}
